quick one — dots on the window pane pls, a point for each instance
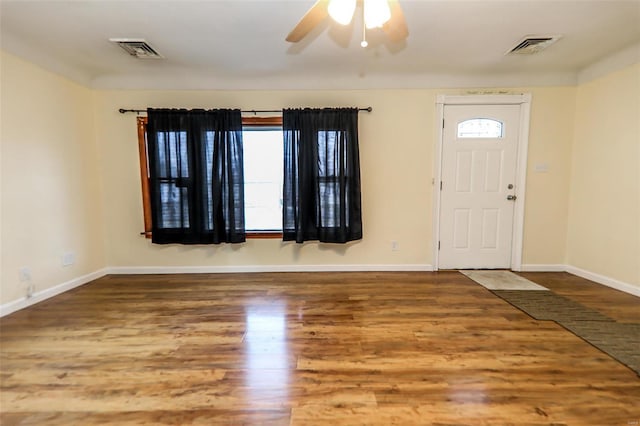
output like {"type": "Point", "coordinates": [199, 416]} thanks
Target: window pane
{"type": "Point", "coordinates": [332, 151]}
{"type": "Point", "coordinates": [207, 197]}
{"type": "Point", "coordinates": [480, 128]}
{"type": "Point", "coordinates": [263, 156]}
{"type": "Point", "coordinates": [173, 159]}
{"type": "Point", "coordinates": [330, 200]}
{"type": "Point", "coordinates": [175, 209]}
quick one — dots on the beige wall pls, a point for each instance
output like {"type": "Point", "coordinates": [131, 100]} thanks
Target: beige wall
{"type": "Point", "coordinates": [51, 197]}
{"type": "Point", "coordinates": [550, 137]}
{"type": "Point", "coordinates": [80, 189]}
{"type": "Point", "coordinates": [604, 213]}
{"type": "Point", "coordinates": [397, 154]}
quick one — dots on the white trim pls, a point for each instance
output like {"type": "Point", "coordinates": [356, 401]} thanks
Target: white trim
{"type": "Point", "coordinates": [604, 280]}
{"type": "Point", "coordinates": [483, 99]}
{"type": "Point", "coordinates": [612, 63]}
{"type": "Point", "coordinates": [534, 267]}
{"type": "Point", "coordinates": [22, 303]}
{"type": "Point", "coordinates": [517, 242]}
{"type": "Point", "coordinates": [144, 270]}
{"type": "Point", "coordinates": [524, 100]}
{"type": "Point", "coordinates": [582, 273]}
{"type": "Point", "coordinates": [319, 81]}
{"type": "Point", "coordinates": [47, 293]}
{"type": "Point", "coordinates": [437, 181]}
{"type": "Point", "coordinates": [134, 270]}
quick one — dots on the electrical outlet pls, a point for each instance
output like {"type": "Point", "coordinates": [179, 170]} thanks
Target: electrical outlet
{"type": "Point", "coordinates": [25, 274]}
{"type": "Point", "coordinates": [68, 258]}
{"type": "Point", "coordinates": [31, 288]}
{"type": "Point", "coordinates": [25, 277]}
{"type": "Point", "coordinates": [395, 246]}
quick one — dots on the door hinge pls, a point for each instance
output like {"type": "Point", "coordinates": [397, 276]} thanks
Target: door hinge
{"type": "Point", "coordinates": [440, 185]}
{"type": "Point", "coordinates": [443, 124]}
{"type": "Point", "coordinates": [438, 245]}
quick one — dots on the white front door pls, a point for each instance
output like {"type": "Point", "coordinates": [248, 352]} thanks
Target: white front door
{"type": "Point", "coordinates": [478, 176]}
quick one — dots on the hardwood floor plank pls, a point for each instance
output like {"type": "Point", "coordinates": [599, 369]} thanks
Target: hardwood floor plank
{"type": "Point", "coordinates": [205, 417]}
{"type": "Point", "coordinates": [317, 348]}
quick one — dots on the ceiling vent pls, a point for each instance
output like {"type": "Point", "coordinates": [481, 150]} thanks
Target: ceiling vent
{"type": "Point", "coordinates": [137, 47]}
{"type": "Point", "coordinates": [533, 44]}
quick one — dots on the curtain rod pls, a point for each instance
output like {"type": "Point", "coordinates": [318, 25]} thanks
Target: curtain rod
{"type": "Point", "coordinates": [251, 111]}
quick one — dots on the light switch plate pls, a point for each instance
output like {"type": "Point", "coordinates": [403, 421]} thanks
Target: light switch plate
{"type": "Point", "coordinates": [541, 167]}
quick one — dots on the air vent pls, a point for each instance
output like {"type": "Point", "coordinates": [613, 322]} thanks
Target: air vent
{"type": "Point", "coordinates": [137, 47]}
{"type": "Point", "coordinates": [533, 44]}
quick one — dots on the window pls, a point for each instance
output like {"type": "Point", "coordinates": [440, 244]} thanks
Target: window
{"type": "Point", "coordinates": [173, 166]}
{"type": "Point", "coordinates": [321, 175]}
{"type": "Point", "coordinates": [330, 181]}
{"type": "Point", "coordinates": [196, 177]}
{"type": "Point", "coordinates": [480, 128]}
{"type": "Point", "coordinates": [263, 168]}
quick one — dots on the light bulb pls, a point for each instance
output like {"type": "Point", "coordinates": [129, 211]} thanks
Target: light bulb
{"type": "Point", "coordinates": [342, 10]}
{"type": "Point", "coordinates": [376, 13]}
{"type": "Point", "coordinates": [364, 43]}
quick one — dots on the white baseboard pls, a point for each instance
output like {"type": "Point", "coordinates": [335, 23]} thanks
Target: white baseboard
{"type": "Point", "coordinates": [582, 273]}
{"type": "Point", "coordinates": [534, 267]}
{"type": "Point", "coordinates": [45, 294]}
{"type": "Point", "coordinates": [22, 303]}
{"type": "Point", "coordinates": [135, 270]}
{"type": "Point", "coordinates": [601, 279]}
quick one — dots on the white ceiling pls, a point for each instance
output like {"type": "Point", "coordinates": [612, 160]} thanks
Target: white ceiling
{"type": "Point", "coordinates": [233, 44]}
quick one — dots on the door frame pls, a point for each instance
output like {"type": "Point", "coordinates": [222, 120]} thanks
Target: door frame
{"type": "Point", "coordinates": [524, 100]}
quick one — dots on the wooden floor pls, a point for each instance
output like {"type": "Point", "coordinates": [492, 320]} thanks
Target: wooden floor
{"type": "Point", "coordinates": [317, 348]}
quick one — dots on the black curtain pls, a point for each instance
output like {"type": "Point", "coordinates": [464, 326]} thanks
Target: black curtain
{"type": "Point", "coordinates": [196, 176]}
{"type": "Point", "coordinates": [321, 198]}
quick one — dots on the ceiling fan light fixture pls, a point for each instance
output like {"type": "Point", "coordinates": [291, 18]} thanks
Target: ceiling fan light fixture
{"type": "Point", "coordinates": [376, 13]}
{"type": "Point", "coordinates": [342, 10]}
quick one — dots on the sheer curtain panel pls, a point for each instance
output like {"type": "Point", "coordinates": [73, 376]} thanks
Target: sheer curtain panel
{"type": "Point", "coordinates": [321, 175]}
{"type": "Point", "coordinates": [196, 176]}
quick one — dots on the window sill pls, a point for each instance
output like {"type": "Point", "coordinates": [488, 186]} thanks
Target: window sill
{"type": "Point", "coordinates": [270, 235]}
{"type": "Point", "coordinates": [264, 235]}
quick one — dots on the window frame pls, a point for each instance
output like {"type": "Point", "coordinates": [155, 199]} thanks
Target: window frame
{"type": "Point", "coordinates": [252, 121]}
{"type": "Point", "coordinates": [144, 175]}
{"type": "Point", "coordinates": [260, 121]}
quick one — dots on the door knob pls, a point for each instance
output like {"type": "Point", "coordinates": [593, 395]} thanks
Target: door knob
{"type": "Point", "coordinates": [511, 197]}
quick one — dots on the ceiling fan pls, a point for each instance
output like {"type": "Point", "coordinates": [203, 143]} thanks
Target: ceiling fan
{"type": "Point", "coordinates": [385, 14]}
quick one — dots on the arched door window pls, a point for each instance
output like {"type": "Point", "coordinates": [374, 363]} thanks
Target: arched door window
{"type": "Point", "coordinates": [480, 128]}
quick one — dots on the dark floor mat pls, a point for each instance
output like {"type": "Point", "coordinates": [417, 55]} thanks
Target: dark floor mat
{"type": "Point", "coordinates": [546, 305]}
{"type": "Point", "coordinates": [620, 340]}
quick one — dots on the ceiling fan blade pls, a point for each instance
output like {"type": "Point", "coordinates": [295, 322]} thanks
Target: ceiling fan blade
{"type": "Point", "coordinates": [318, 12]}
{"type": "Point", "coordinates": [396, 27]}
